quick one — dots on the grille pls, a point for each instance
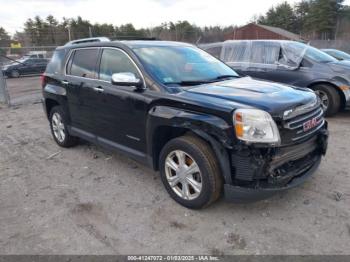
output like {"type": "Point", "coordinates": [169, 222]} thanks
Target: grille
{"type": "Point", "coordinates": [304, 124]}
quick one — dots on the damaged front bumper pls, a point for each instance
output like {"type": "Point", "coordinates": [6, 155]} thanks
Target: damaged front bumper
{"type": "Point", "coordinates": [260, 174]}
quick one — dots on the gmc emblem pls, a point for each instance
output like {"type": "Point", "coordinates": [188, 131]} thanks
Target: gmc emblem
{"type": "Point", "coordinates": [310, 124]}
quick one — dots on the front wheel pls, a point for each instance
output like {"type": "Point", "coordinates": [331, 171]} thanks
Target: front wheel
{"type": "Point", "coordinates": [190, 172]}
{"type": "Point", "coordinates": [330, 99]}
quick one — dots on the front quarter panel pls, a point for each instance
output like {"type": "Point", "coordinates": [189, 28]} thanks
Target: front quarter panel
{"type": "Point", "coordinates": [174, 117]}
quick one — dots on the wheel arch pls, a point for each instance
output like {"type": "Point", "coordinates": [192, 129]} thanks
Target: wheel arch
{"type": "Point", "coordinates": [49, 104]}
{"type": "Point", "coordinates": [339, 91]}
{"type": "Point", "coordinates": [162, 130]}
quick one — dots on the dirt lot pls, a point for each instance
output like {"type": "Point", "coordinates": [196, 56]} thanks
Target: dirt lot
{"type": "Point", "coordinates": [87, 200]}
{"type": "Point", "coordinates": [24, 90]}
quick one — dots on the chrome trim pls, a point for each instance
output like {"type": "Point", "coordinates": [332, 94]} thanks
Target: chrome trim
{"type": "Point", "coordinates": [312, 115]}
{"type": "Point", "coordinates": [310, 133]}
{"type": "Point", "coordinates": [97, 79]}
{"type": "Point", "coordinates": [291, 113]}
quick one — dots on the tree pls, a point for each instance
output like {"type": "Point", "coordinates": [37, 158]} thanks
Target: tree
{"type": "Point", "coordinates": [280, 16]}
{"type": "Point", "coordinates": [4, 38]}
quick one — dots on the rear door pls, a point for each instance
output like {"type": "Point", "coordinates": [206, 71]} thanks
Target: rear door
{"type": "Point", "coordinates": [80, 80]}
{"type": "Point", "coordinates": [41, 64]}
{"type": "Point", "coordinates": [263, 63]}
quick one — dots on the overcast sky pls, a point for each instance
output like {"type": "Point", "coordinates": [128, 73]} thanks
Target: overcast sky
{"type": "Point", "coordinates": [142, 13]}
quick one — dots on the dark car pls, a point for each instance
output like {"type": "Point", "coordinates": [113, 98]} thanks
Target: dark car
{"type": "Point", "coordinates": [181, 111]}
{"type": "Point", "coordinates": [337, 54]}
{"type": "Point", "coordinates": [292, 63]}
{"type": "Point", "coordinates": [25, 66]}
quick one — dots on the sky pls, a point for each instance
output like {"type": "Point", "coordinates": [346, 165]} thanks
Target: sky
{"type": "Point", "coordinates": [142, 13]}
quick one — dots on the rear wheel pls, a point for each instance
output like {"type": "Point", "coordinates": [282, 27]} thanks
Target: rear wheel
{"type": "Point", "coordinates": [330, 98]}
{"type": "Point", "coordinates": [190, 172]}
{"type": "Point", "coordinates": [58, 125]}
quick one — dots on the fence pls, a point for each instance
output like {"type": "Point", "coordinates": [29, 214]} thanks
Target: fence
{"type": "Point", "coordinates": [15, 53]}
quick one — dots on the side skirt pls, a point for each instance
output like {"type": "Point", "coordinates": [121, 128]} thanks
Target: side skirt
{"type": "Point", "coordinates": [132, 153]}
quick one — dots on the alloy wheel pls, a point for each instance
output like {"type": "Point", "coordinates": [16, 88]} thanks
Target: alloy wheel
{"type": "Point", "coordinates": [324, 99]}
{"type": "Point", "coordinates": [58, 127]}
{"type": "Point", "coordinates": [183, 175]}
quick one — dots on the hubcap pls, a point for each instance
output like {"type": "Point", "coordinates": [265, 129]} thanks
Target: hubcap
{"type": "Point", "coordinates": [183, 175]}
{"type": "Point", "coordinates": [324, 99]}
{"type": "Point", "coordinates": [58, 127]}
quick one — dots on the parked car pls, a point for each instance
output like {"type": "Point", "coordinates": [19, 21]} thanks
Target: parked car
{"type": "Point", "coordinates": [291, 63]}
{"type": "Point", "coordinates": [25, 66]}
{"type": "Point", "coordinates": [181, 111]}
{"type": "Point", "coordinates": [337, 54]}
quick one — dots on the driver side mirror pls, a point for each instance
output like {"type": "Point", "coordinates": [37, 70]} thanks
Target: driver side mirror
{"type": "Point", "coordinates": [126, 79]}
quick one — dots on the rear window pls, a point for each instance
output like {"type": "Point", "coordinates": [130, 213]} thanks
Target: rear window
{"type": "Point", "coordinates": [54, 66]}
{"type": "Point", "coordinates": [83, 63]}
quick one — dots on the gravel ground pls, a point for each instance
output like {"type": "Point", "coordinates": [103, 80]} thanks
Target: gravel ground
{"type": "Point", "coordinates": [87, 200]}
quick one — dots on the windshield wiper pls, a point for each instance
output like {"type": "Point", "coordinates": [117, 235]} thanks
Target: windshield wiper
{"type": "Point", "coordinates": [188, 83]}
{"type": "Point", "coordinates": [200, 82]}
{"type": "Point", "coordinates": [224, 77]}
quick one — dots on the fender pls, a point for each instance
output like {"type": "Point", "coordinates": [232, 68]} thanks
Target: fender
{"type": "Point", "coordinates": [337, 82]}
{"type": "Point", "coordinates": [55, 89]}
{"type": "Point", "coordinates": [216, 131]}
{"type": "Point", "coordinates": [54, 94]}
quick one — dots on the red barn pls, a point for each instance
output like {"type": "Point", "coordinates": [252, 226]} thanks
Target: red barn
{"type": "Point", "coordinates": [255, 31]}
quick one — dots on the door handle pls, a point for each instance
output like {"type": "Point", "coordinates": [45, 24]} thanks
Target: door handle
{"type": "Point", "coordinates": [98, 89]}
{"type": "Point", "coordinates": [65, 82]}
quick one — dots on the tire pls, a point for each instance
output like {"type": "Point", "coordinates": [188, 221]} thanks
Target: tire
{"type": "Point", "coordinates": [59, 131]}
{"type": "Point", "coordinates": [15, 74]}
{"type": "Point", "coordinates": [209, 173]}
{"type": "Point", "coordinates": [333, 98]}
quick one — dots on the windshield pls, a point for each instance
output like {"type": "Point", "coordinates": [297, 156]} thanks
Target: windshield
{"type": "Point", "coordinates": [182, 65]}
{"type": "Point", "coordinates": [295, 50]}
{"type": "Point", "coordinates": [18, 61]}
{"type": "Point", "coordinates": [339, 54]}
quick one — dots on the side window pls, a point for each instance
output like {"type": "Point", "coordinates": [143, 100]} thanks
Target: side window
{"type": "Point", "coordinates": [83, 63]}
{"type": "Point", "coordinates": [265, 53]}
{"type": "Point", "coordinates": [115, 61]}
{"type": "Point", "coordinates": [215, 51]}
{"type": "Point", "coordinates": [237, 52]}
{"type": "Point", "coordinates": [54, 66]}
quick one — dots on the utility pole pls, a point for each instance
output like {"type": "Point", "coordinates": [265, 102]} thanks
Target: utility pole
{"type": "Point", "coordinates": [69, 34]}
{"type": "Point", "coordinates": [90, 31]}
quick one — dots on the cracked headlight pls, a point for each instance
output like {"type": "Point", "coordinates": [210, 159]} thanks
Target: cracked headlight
{"type": "Point", "coordinates": [255, 126]}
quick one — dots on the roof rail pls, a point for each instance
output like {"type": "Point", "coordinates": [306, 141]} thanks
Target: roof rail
{"type": "Point", "coordinates": [135, 38]}
{"type": "Point", "coordinates": [88, 40]}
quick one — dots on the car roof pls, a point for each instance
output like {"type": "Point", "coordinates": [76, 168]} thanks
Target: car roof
{"type": "Point", "coordinates": [129, 43]}
{"type": "Point", "coordinates": [263, 40]}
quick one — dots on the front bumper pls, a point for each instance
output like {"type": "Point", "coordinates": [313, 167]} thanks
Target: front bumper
{"type": "Point", "coordinates": [296, 168]}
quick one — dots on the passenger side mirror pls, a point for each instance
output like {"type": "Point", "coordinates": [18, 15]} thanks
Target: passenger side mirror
{"type": "Point", "coordinates": [126, 79]}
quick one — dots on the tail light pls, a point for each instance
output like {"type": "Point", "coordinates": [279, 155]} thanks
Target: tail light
{"type": "Point", "coordinates": [43, 80]}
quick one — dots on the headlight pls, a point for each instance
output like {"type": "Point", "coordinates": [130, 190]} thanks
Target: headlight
{"type": "Point", "coordinates": [255, 126]}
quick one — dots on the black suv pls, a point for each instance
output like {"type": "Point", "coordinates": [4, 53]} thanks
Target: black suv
{"type": "Point", "coordinates": [179, 110]}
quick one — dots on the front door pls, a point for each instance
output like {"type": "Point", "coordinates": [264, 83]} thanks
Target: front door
{"type": "Point", "coordinates": [122, 110]}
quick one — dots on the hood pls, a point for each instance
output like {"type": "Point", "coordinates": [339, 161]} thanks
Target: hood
{"type": "Point", "coordinates": [272, 97]}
